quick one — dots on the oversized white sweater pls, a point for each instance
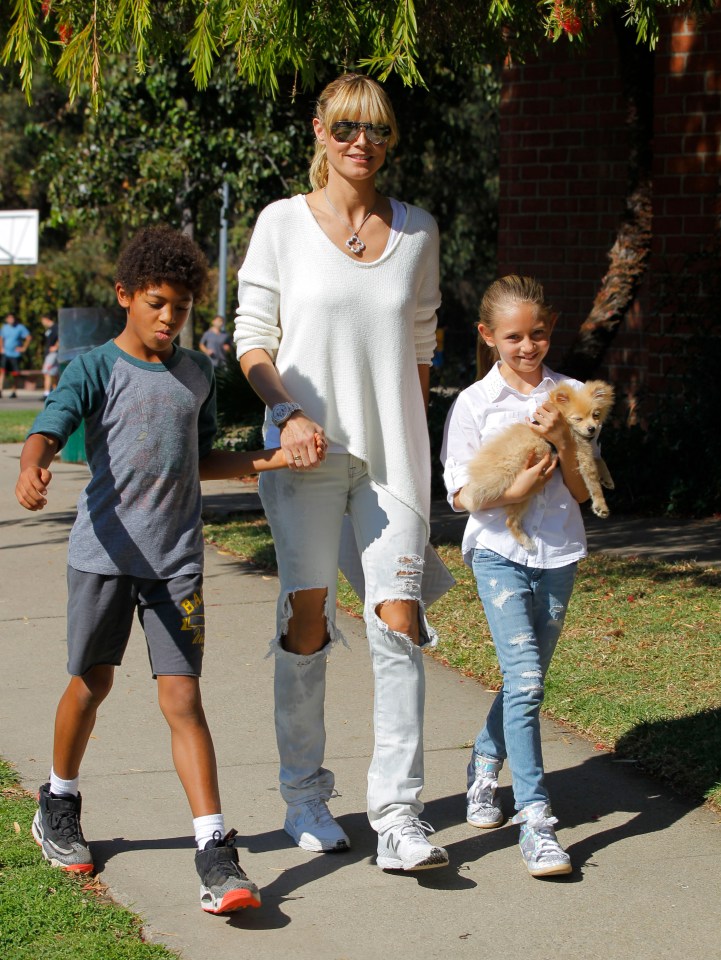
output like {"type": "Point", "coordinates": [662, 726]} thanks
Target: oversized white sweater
{"type": "Point", "coordinates": [347, 336]}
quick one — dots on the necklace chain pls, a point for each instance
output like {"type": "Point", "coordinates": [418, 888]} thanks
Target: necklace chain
{"type": "Point", "coordinates": [354, 242]}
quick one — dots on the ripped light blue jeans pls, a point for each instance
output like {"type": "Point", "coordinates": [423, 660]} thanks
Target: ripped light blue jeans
{"type": "Point", "coordinates": [305, 511]}
{"type": "Point", "coordinates": [525, 608]}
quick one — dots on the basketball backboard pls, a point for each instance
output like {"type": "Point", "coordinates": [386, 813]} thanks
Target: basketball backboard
{"type": "Point", "coordinates": [18, 237]}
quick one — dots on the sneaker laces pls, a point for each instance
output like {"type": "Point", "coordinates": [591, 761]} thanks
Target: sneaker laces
{"type": "Point", "coordinates": [318, 810]}
{"type": "Point", "coordinates": [412, 826]}
{"type": "Point", "coordinates": [66, 822]}
{"type": "Point", "coordinates": [477, 791]}
{"type": "Point", "coordinates": [546, 842]}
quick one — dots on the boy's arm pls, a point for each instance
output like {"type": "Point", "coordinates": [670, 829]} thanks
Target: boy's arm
{"type": "Point", "coordinates": [226, 465]}
{"type": "Point", "coordinates": [37, 455]}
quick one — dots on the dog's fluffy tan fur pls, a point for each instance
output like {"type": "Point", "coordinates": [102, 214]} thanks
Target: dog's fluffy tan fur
{"type": "Point", "coordinates": [501, 459]}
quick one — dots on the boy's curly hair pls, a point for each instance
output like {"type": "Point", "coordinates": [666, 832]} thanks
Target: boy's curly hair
{"type": "Point", "coordinates": [162, 255]}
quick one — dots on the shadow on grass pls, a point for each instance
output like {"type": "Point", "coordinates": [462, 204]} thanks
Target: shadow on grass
{"type": "Point", "coordinates": [683, 751]}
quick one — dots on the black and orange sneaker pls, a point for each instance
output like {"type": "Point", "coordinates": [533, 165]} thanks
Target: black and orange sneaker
{"type": "Point", "coordinates": [56, 828]}
{"type": "Point", "coordinates": [224, 887]}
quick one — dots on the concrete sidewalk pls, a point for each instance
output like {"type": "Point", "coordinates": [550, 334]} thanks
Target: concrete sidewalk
{"type": "Point", "coordinates": [646, 883]}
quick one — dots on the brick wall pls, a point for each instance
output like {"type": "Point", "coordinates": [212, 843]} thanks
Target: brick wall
{"type": "Point", "coordinates": [564, 170]}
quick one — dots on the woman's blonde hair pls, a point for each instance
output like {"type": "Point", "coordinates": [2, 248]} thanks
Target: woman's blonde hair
{"type": "Point", "coordinates": [351, 96]}
{"type": "Point", "coordinates": [502, 294]}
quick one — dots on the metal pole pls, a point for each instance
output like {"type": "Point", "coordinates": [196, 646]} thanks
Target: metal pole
{"type": "Point", "coordinates": [223, 250]}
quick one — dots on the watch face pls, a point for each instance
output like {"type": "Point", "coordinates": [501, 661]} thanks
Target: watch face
{"type": "Point", "coordinates": [281, 411]}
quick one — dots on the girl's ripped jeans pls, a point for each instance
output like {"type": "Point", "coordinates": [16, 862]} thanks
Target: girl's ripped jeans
{"type": "Point", "coordinates": [525, 608]}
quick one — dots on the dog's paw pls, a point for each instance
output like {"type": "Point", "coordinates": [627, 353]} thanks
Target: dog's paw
{"type": "Point", "coordinates": [601, 510]}
{"type": "Point", "coordinates": [608, 483]}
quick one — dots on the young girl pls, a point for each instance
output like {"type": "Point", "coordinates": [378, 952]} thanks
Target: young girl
{"type": "Point", "coordinates": [524, 595]}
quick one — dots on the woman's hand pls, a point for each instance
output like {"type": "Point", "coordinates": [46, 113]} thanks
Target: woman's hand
{"type": "Point", "coordinates": [303, 442]}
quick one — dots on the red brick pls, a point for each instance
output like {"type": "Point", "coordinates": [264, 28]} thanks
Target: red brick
{"type": "Point", "coordinates": [524, 188]}
{"type": "Point", "coordinates": [678, 206]}
{"type": "Point", "coordinates": [667, 186]}
{"type": "Point", "coordinates": [683, 42]}
{"type": "Point", "coordinates": [699, 226]}
{"type": "Point", "coordinates": [684, 164]}
{"type": "Point", "coordinates": [680, 123]}
{"type": "Point", "coordinates": [707, 185]}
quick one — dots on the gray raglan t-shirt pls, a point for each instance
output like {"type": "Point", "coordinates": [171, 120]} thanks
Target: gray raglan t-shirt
{"type": "Point", "coordinates": [146, 426]}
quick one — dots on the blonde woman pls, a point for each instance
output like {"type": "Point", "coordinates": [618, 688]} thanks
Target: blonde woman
{"type": "Point", "coordinates": [335, 331]}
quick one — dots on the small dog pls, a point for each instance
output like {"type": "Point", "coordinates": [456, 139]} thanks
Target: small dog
{"type": "Point", "coordinates": [501, 459]}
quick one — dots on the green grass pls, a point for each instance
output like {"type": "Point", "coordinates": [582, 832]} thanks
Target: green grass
{"type": "Point", "coordinates": [14, 424]}
{"type": "Point", "coordinates": [637, 669]}
{"type": "Point", "coordinates": [46, 914]}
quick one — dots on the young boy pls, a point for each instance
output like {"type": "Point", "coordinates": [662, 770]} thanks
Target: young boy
{"type": "Point", "coordinates": [149, 412]}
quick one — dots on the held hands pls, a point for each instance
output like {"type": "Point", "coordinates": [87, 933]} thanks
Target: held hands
{"type": "Point", "coordinates": [32, 487]}
{"type": "Point", "coordinates": [303, 442]}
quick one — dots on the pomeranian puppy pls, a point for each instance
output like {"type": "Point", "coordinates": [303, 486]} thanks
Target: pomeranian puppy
{"type": "Point", "coordinates": [501, 459]}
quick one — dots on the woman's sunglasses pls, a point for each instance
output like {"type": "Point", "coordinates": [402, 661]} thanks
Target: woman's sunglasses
{"type": "Point", "coordinates": [348, 131]}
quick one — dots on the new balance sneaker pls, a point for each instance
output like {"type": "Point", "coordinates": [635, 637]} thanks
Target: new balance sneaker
{"type": "Point", "coordinates": [404, 846]}
{"type": "Point", "coordinates": [224, 886]}
{"type": "Point", "coordinates": [56, 828]}
{"type": "Point", "coordinates": [544, 855]}
{"type": "Point", "coordinates": [483, 810]}
{"type": "Point", "coordinates": [313, 828]}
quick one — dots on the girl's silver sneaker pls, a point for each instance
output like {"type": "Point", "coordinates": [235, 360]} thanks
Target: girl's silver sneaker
{"type": "Point", "coordinates": [483, 810]}
{"type": "Point", "coordinates": [544, 855]}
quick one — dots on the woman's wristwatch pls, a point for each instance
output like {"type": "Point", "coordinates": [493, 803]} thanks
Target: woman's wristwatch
{"type": "Point", "coordinates": [282, 411]}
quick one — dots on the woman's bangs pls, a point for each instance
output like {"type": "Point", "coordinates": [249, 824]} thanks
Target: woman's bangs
{"type": "Point", "coordinates": [359, 104]}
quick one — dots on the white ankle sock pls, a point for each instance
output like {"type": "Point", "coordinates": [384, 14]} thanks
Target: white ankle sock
{"type": "Point", "coordinates": [58, 785]}
{"type": "Point", "coordinates": [206, 827]}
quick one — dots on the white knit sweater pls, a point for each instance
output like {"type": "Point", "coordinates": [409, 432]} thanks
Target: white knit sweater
{"type": "Point", "coordinates": [346, 336]}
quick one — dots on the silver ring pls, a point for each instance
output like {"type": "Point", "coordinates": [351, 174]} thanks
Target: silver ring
{"type": "Point", "coordinates": [298, 459]}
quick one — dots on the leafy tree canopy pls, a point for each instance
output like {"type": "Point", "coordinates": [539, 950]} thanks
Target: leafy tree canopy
{"type": "Point", "coordinates": [268, 38]}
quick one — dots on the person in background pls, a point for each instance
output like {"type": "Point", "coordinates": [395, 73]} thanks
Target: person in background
{"type": "Point", "coordinates": [216, 343]}
{"type": "Point", "coordinates": [14, 340]}
{"type": "Point", "coordinates": [51, 366]}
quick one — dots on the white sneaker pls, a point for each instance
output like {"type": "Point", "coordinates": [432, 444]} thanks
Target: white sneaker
{"type": "Point", "coordinates": [403, 846]}
{"type": "Point", "coordinates": [483, 810]}
{"type": "Point", "coordinates": [313, 828]}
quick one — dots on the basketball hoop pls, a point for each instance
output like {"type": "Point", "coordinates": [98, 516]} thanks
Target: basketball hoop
{"type": "Point", "coordinates": [18, 237]}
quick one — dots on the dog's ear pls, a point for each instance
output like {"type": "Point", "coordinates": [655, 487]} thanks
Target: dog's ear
{"type": "Point", "coordinates": [560, 395]}
{"type": "Point", "coordinates": [601, 391]}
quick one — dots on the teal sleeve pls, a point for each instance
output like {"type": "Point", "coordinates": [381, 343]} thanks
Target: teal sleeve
{"type": "Point", "coordinates": [208, 416]}
{"type": "Point", "coordinates": [80, 393]}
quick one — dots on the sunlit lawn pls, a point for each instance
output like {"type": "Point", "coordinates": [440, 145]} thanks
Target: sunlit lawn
{"type": "Point", "coordinates": [638, 667]}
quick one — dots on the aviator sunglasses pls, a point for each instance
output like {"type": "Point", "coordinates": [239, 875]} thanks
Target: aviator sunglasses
{"type": "Point", "coordinates": [348, 131]}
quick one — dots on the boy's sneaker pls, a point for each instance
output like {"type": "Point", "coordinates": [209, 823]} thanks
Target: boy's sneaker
{"type": "Point", "coordinates": [313, 828]}
{"type": "Point", "coordinates": [483, 810]}
{"type": "Point", "coordinates": [56, 828]}
{"type": "Point", "coordinates": [224, 887]}
{"type": "Point", "coordinates": [544, 855]}
{"type": "Point", "coordinates": [404, 846]}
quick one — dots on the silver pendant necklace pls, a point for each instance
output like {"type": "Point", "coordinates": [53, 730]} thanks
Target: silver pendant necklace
{"type": "Point", "coordinates": [354, 242]}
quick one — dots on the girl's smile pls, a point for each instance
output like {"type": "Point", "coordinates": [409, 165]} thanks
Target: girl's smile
{"type": "Point", "coordinates": [522, 338]}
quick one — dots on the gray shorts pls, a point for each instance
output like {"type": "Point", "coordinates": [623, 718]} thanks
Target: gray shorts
{"type": "Point", "coordinates": [100, 617]}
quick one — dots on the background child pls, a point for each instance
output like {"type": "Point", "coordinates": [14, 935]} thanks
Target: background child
{"type": "Point", "coordinates": [524, 595]}
{"type": "Point", "coordinates": [149, 412]}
